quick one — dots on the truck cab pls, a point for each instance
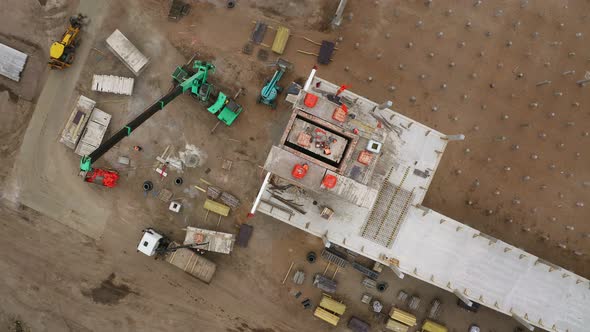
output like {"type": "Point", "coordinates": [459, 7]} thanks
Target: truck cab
{"type": "Point", "coordinates": [150, 242]}
{"type": "Point", "coordinates": [184, 257]}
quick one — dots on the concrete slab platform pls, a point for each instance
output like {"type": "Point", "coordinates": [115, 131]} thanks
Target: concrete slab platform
{"type": "Point", "coordinates": [397, 231]}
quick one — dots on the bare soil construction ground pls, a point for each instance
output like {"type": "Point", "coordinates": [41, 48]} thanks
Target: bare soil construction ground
{"type": "Point", "coordinates": [68, 257]}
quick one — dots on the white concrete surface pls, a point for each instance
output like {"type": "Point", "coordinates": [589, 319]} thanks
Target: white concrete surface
{"type": "Point", "coordinates": [453, 256]}
{"type": "Point", "coordinates": [440, 250]}
{"type": "Point", "coordinates": [12, 62]}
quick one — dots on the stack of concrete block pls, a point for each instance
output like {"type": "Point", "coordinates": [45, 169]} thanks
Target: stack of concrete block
{"type": "Point", "coordinates": [113, 84]}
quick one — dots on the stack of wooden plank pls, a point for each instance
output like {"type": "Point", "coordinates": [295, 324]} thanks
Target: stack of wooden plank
{"type": "Point", "coordinates": [325, 284]}
{"type": "Point", "coordinates": [226, 198]}
{"type": "Point", "coordinates": [213, 192]}
{"type": "Point", "coordinates": [229, 200]}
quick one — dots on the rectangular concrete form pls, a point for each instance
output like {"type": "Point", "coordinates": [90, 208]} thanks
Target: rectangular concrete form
{"type": "Point", "coordinates": [12, 62]}
{"type": "Point", "coordinates": [77, 122]}
{"type": "Point", "coordinates": [192, 263]}
{"type": "Point", "coordinates": [127, 52]}
{"type": "Point", "coordinates": [113, 84]}
{"type": "Point", "coordinates": [314, 131]}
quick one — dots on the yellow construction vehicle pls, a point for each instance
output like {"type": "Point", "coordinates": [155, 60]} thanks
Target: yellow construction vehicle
{"type": "Point", "coordinates": [61, 53]}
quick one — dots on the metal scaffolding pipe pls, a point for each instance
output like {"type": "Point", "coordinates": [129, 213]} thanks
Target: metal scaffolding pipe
{"type": "Point", "coordinates": [310, 79]}
{"type": "Point", "coordinates": [259, 196]}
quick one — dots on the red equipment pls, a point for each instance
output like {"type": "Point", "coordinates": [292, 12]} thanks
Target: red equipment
{"type": "Point", "coordinates": [299, 171]}
{"type": "Point", "coordinates": [310, 100]}
{"type": "Point", "coordinates": [342, 88]}
{"type": "Point", "coordinates": [329, 181]}
{"type": "Point", "coordinates": [102, 177]}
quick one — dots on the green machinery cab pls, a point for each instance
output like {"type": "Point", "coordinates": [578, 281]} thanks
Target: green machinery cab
{"type": "Point", "coordinates": [200, 88]}
{"type": "Point", "coordinates": [226, 109]}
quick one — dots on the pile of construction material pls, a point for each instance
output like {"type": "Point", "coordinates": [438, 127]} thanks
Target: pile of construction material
{"type": "Point", "coordinates": [113, 84]}
{"type": "Point", "coordinates": [225, 197]}
{"type": "Point", "coordinates": [12, 62]}
{"type": "Point", "coordinates": [208, 240]}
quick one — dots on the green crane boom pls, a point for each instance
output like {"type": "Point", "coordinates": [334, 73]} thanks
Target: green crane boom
{"type": "Point", "coordinates": [185, 79]}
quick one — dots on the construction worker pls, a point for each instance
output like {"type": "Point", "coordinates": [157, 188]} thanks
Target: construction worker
{"type": "Point", "coordinates": [137, 148]}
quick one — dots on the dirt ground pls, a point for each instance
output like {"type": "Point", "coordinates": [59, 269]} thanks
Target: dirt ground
{"type": "Point", "coordinates": [68, 249]}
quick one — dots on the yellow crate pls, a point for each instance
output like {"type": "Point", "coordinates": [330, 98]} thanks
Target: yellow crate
{"type": "Point", "coordinates": [430, 326]}
{"type": "Point", "coordinates": [396, 326]}
{"type": "Point", "coordinates": [326, 316]}
{"type": "Point", "coordinates": [281, 38]}
{"type": "Point", "coordinates": [332, 305]}
{"type": "Point", "coordinates": [215, 207]}
{"type": "Point", "coordinates": [403, 317]}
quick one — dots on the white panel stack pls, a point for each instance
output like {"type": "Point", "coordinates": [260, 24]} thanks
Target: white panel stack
{"type": "Point", "coordinates": [93, 133]}
{"type": "Point", "coordinates": [112, 84]}
{"type": "Point", "coordinates": [127, 52]}
{"type": "Point", "coordinates": [12, 62]}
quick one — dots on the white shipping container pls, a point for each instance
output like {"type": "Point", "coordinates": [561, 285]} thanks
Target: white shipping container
{"type": "Point", "coordinates": [93, 133]}
{"type": "Point", "coordinates": [127, 52]}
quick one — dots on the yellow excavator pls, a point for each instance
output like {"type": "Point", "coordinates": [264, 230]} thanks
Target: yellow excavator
{"type": "Point", "coordinates": [61, 53]}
